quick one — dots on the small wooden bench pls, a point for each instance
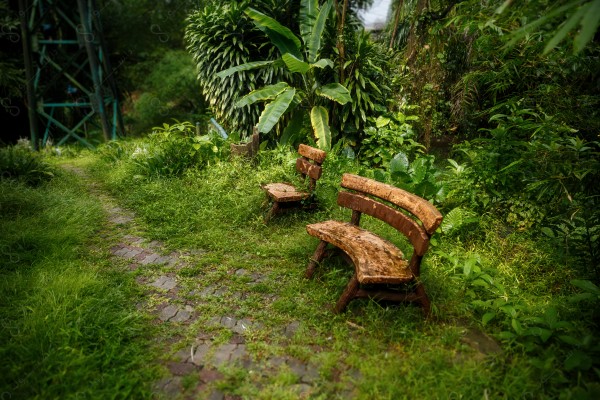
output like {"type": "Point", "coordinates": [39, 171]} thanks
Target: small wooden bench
{"type": "Point", "coordinates": [379, 265]}
{"type": "Point", "coordinates": [286, 195]}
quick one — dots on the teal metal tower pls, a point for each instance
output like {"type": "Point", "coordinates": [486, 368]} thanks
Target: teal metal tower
{"type": "Point", "coordinates": [71, 90]}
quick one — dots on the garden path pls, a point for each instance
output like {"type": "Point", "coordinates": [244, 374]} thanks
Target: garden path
{"type": "Point", "coordinates": [173, 306]}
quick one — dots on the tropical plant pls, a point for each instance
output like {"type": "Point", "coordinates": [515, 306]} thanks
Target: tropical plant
{"type": "Point", "coordinates": [367, 79]}
{"type": "Point", "coordinates": [309, 93]}
{"type": "Point", "coordinates": [392, 133]}
{"type": "Point", "coordinates": [221, 36]}
{"type": "Point", "coordinates": [581, 15]}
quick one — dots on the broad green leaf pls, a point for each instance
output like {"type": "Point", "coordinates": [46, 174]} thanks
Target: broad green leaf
{"type": "Point", "coordinates": [487, 317]}
{"type": "Point", "coordinates": [586, 285]}
{"type": "Point", "coordinates": [382, 121]}
{"type": "Point", "coordinates": [319, 119]}
{"type": "Point", "coordinates": [567, 26]}
{"type": "Point", "coordinates": [570, 340]}
{"type": "Point", "coordinates": [420, 169]}
{"type": "Point", "coordinates": [519, 34]}
{"type": "Point", "coordinates": [501, 9]}
{"type": "Point", "coordinates": [335, 92]}
{"type": "Point", "coordinates": [274, 110]}
{"type": "Point", "coordinates": [516, 325]}
{"type": "Point", "coordinates": [308, 15]}
{"type": "Point", "coordinates": [294, 64]}
{"type": "Point", "coordinates": [283, 38]}
{"type": "Point", "coordinates": [314, 44]}
{"type": "Point", "coordinates": [399, 163]}
{"type": "Point", "coordinates": [547, 231]}
{"type": "Point", "coordinates": [266, 93]}
{"type": "Point", "coordinates": [244, 67]}
{"type": "Point", "coordinates": [294, 128]}
{"type": "Point", "coordinates": [322, 63]}
{"type": "Point", "coordinates": [543, 333]}
{"type": "Point", "coordinates": [578, 360]}
{"type": "Point", "coordinates": [589, 25]}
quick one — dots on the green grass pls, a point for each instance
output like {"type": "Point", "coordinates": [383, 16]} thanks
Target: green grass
{"type": "Point", "coordinates": [383, 352]}
{"type": "Point", "coordinates": [68, 325]}
{"type": "Point", "coordinates": [372, 351]}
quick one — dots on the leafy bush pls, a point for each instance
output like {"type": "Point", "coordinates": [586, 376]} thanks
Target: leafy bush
{"type": "Point", "coordinates": [390, 135]}
{"type": "Point", "coordinates": [172, 149]}
{"type": "Point", "coordinates": [367, 67]}
{"type": "Point", "coordinates": [23, 164]}
{"type": "Point", "coordinates": [221, 36]}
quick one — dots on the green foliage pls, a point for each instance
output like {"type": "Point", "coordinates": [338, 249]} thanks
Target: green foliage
{"type": "Point", "coordinates": [550, 336]}
{"type": "Point", "coordinates": [457, 219]}
{"type": "Point", "coordinates": [582, 15]}
{"type": "Point", "coordinates": [170, 150]}
{"type": "Point", "coordinates": [391, 134]}
{"type": "Point", "coordinates": [22, 164]}
{"type": "Point", "coordinates": [173, 149]}
{"type": "Point", "coordinates": [310, 92]}
{"type": "Point", "coordinates": [169, 90]}
{"type": "Point", "coordinates": [420, 177]}
{"type": "Point", "coordinates": [368, 77]}
{"type": "Point", "coordinates": [222, 36]}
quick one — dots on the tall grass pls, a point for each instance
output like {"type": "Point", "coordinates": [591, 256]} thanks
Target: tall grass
{"type": "Point", "coordinates": [68, 325]}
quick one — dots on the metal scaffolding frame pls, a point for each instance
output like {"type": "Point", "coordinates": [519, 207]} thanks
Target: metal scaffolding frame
{"type": "Point", "coordinates": [70, 82]}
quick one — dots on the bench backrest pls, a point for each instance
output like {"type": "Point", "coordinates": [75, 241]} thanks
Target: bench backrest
{"type": "Point", "coordinates": [359, 201]}
{"type": "Point", "coordinates": [309, 164]}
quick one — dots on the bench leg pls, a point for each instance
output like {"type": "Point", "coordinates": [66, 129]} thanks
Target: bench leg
{"type": "Point", "coordinates": [349, 294]}
{"type": "Point", "coordinates": [272, 211]}
{"type": "Point", "coordinates": [316, 259]}
{"type": "Point", "coordinates": [423, 299]}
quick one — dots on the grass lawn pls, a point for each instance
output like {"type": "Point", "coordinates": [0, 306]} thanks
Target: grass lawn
{"type": "Point", "coordinates": [70, 324]}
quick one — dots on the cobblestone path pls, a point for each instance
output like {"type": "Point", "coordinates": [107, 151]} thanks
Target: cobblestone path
{"type": "Point", "coordinates": [197, 359]}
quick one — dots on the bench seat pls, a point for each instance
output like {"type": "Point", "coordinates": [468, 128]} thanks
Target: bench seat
{"type": "Point", "coordinates": [284, 192]}
{"type": "Point", "coordinates": [376, 260]}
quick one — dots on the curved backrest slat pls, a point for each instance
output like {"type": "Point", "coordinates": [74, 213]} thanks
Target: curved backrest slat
{"type": "Point", "coordinates": [313, 171]}
{"type": "Point", "coordinates": [318, 156]}
{"type": "Point", "coordinates": [413, 231]}
{"type": "Point", "coordinates": [419, 207]}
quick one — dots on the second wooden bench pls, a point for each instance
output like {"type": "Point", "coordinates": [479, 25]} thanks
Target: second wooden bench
{"type": "Point", "coordinates": [379, 265]}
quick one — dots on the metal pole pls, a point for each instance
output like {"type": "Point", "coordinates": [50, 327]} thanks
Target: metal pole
{"type": "Point", "coordinates": [88, 39]}
{"type": "Point", "coordinates": [27, 58]}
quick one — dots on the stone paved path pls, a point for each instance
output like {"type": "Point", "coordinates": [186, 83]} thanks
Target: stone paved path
{"type": "Point", "coordinates": [175, 306]}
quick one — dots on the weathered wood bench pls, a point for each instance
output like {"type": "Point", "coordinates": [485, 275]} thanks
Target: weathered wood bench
{"type": "Point", "coordinates": [380, 267]}
{"type": "Point", "coordinates": [285, 195]}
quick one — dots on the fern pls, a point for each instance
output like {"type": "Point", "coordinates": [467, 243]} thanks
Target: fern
{"type": "Point", "coordinates": [456, 219]}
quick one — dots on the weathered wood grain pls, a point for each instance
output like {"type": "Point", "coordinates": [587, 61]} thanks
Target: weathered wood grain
{"type": "Point", "coordinates": [377, 260]}
{"type": "Point", "coordinates": [318, 156]}
{"type": "Point", "coordinates": [419, 207]}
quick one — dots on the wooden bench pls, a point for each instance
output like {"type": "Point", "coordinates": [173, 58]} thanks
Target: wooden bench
{"type": "Point", "coordinates": [380, 267]}
{"type": "Point", "coordinates": [285, 195]}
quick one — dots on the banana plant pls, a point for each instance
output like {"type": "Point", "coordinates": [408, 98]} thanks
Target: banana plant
{"type": "Point", "coordinates": [300, 56]}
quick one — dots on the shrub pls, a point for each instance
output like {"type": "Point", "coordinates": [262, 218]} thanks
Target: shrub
{"type": "Point", "coordinates": [23, 164]}
{"type": "Point", "coordinates": [172, 149]}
